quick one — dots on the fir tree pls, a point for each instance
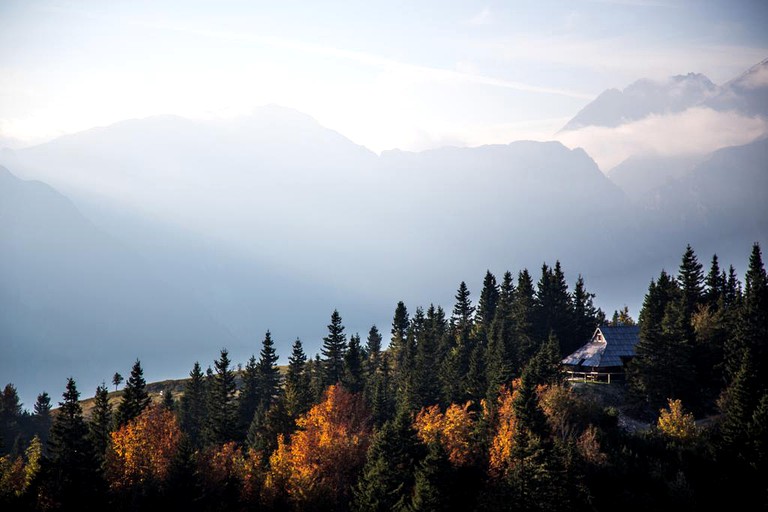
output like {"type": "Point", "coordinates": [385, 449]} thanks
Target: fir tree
{"type": "Point", "coordinates": [752, 331]}
{"type": "Point", "coordinates": [715, 284]}
{"type": "Point", "coordinates": [738, 404]}
{"type": "Point", "coordinates": [387, 476]}
{"type": "Point", "coordinates": [221, 419]}
{"type": "Point", "coordinates": [193, 405]}
{"type": "Point", "coordinates": [70, 452]}
{"type": "Point", "coordinates": [691, 281]}
{"type": "Point", "coordinates": [10, 418]}
{"type": "Point", "coordinates": [250, 397]}
{"type": "Point", "coordinates": [268, 374]}
{"type": "Point", "coordinates": [353, 378]}
{"type": "Point", "coordinates": [100, 424]}
{"type": "Point", "coordinates": [501, 356]}
{"type": "Point", "coordinates": [297, 392]}
{"type": "Point", "coordinates": [433, 478]}
{"type": "Point", "coordinates": [42, 417]}
{"type": "Point", "coordinates": [334, 346]}
{"type": "Point", "coordinates": [398, 345]}
{"type": "Point", "coordinates": [523, 313]}
{"type": "Point", "coordinates": [586, 316]}
{"type": "Point", "coordinates": [427, 354]}
{"type": "Point", "coordinates": [486, 308]}
{"type": "Point", "coordinates": [135, 396]}
{"type": "Point", "coordinates": [553, 309]}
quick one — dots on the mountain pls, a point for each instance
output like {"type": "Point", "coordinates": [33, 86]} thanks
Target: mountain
{"type": "Point", "coordinates": [746, 94]}
{"type": "Point", "coordinates": [642, 99]}
{"type": "Point", "coordinates": [73, 299]}
{"type": "Point", "coordinates": [641, 174]}
{"type": "Point", "coordinates": [721, 199]}
{"type": "Point", "coordinates": [271, 221]}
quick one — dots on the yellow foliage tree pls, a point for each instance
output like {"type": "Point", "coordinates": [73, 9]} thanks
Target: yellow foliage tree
{"type": "Point", "coordinates": [143, 449]}
{"type": "Point", "coordinates": [453, 429]}
{"type": "Point", "coordinates": [320, 462]}
{"type": "Point", "coordinates": [500, 455]}
{"type": "Point", "coordinates": [675, 423]}
{"type": "Point", "coordinates": [228, 465]}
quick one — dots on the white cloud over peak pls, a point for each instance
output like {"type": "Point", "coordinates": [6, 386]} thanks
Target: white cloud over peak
{"type": "Point", "coordinates": [695, 131]}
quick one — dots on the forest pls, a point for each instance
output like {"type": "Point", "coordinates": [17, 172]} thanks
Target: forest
{"type": "Point", "coordinates": [467, 409]}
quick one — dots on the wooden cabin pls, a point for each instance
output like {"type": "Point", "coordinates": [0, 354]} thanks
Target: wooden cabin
{"type": "Point", "coordinates": [605, 355]}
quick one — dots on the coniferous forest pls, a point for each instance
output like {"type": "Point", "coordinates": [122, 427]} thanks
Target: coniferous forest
{"type": "Point", "coordinates": [462, 408]}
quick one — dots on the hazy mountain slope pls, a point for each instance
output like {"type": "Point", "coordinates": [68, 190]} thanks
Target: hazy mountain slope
{"type": "Point", "coordinates": [71, 297]}
{"type": "Point", "coordinates": [639, 175]}
{"type": "Point", "coordinates": [746, 94]}
{"type": "Point", "coordinates": [643, 98]}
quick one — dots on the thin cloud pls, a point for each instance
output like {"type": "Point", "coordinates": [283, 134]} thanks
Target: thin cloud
{"type": "Point", "coordinates": [367, 59]}
{"type": "Point", "coordinates": [695, 131]}
{"type": "Point", "coordinates": [482, 18]}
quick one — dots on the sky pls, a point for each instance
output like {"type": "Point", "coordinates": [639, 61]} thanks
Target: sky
{"type": "Point", "coordinates": [411, 75]}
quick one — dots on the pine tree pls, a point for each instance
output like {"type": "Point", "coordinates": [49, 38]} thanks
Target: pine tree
{"type": "Point", "coordinates": [10, 418]}
{"type": "Point", "coordinates": [269, 375]}
{"type": "Point", "coordinates": [221, 420]}
{"type": "Point", "coordinates": [334, 346]}
{"type": "Point", "coordinates": [715, 284]}
{"type": "Point", "coordinates": [433, 478]}
{"type": "Point", "coordinates": [738, 404]}
{"type": "Point", "coordinates": [250, 397]}
{"type": "Point", "coordinates": [297, 393]}
{"type": "Point", "coordinates": [398, 345]}
{"type": "Point", "coordinates": [70, 452]}
{"type": "Point", "coordinates": [586, 316]}
{"type": "Point", "coordinates": [42, 417]}
{"type": "Point", "coordinates": [486, 308]}
{"type": "Point", "coordinates": [100, 424]}
{"type": "Point", "coordinates": [501, 356]}
{"type": "Point", "coordinates": [523, 314]}
{"type": "Point", "coordinates": [691, 281]}
{"type": "Point", "coordinates": [135, 396]}
{"type": "Point", "coordinates": [387, 476]}
{"type": "Point", "coordinates": [193, 405]}
{"type": "Point", "coordinates": [752, 331]}
{"type": "Point", "coordinates": [554, 310]}
{"type": "Point", "coordinates": [353, 378]}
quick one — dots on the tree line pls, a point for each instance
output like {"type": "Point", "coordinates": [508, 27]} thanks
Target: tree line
{"type": "Point", "coordinates": [467, 411]}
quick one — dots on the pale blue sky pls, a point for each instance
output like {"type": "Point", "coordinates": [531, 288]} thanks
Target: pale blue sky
{"type": "Point", "coordinates": [392, 74]}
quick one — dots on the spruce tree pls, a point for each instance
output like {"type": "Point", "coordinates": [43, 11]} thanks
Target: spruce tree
{"type": "Point", "coordinates": [554, 310]}
{"type": "Point", "coordinates": [691, 282]}
{"type": "Point", "coordinates": [101, 423]}
{"type": "Point", "coordinates": [523, 314]}
{"type": "Point", "coordinates": [434, 482]}
{"type": "Point", "coordinates": [738, 405]}
{"type": "Point", "coordinates": [10, 418]}
{"type": "Point", "coordinates": [486, 308]}
{"type": "Point", "coordinates": [458, 361]}
{"type": "Point", "coordinates": [387, 477]}
{"type": "Point", "coordinates": [427, 387]}
{"type": "Point", "coordinates": [354, 379]}
{"type": "Point", "coordinates": [398, 345]}
{"type": "Point", "coordinates": [715, 284]}
{"type": "Point", "coordinates": [70, 452]}
{"type": "Point", "coordinates": [752, 331]}
{"type": "Point", "coordinates": [334, 346]}
{"type": "Point", "coordinates": [42, 417]}
{"type": "Point", "coordinates": [501, 355]}
{"type": "Point", "coordinates": [135, 396]}
{"type": "Point", "coordinates": [268, 373]}
{"type": "Point", "coordinates": [297, 393]}
{"type": "Point", "coordinates": [221, 420]}
{"type": "Point", "coordinates": [250, 397]}
{"type": "Point", "coordinates": [193, 406]}
{"type": "Point", "coordinates": [586, 316]}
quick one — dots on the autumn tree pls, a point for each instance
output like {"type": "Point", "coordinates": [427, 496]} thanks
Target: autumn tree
{"type": "Point", "coordinates": [319, 463]}
{"type": "Point", "coordinates": [675, 424]}
{"type": "Point", "coordinates": [135, 396]}
{"type": "Point", "coordinates": [143, 451]}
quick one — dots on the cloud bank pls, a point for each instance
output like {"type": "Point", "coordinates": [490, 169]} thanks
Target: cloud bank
{"type": "Point", "coordinates": [694, 131]}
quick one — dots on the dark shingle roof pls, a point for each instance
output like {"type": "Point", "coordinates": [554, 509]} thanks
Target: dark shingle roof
{"type": "Point", "coordinates": [607, 347]}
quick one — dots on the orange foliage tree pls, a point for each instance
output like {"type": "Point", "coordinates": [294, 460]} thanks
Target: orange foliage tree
{"type": "Point", "coordinates": [453, 429]}
{"type": "Point", "coordinates": [143, 449]}
{"type": "Point", "coordinates": [320, 462]}
{"type": "Point", "coordinates": [502, 444]}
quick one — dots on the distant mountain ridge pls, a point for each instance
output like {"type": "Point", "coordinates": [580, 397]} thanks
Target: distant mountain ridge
{"type": "Point", "coordinates": [746, 94]}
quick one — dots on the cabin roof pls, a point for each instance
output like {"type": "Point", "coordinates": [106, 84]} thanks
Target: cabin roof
{"type": "Point", "coordinates": [609, 344]}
